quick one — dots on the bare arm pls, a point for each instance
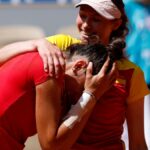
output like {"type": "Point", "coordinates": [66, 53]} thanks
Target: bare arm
{"type": "Point", "coordinates": [11, 50]}
{"type": "Point", "coordinates": [52, 134]}
{"type": "Point", "coordinates": [48, 114]}
{"type": "Point", "coordinates": [135, 122]}
{"type": "Point", "coordinates": [53, 59]}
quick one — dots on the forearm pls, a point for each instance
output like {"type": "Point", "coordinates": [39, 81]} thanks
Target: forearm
{"type": "Point", "coordinates": [138, 147]}
{"type": "Point", "coordinates": [52, 134]}
{"type": "Point", "coordinates": [15, 49]}
{"type": "Point", "coordinates": [66, 137]}
{"type": "Point", "coordinates": [72, 127]}
{"type": "Point", "coordinates": [68, 132]}
{"type": "Point", "coordinates": [135, 122]}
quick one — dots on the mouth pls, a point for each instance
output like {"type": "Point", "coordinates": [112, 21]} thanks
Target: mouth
{"type": "Point", "coordinates": [90, 38]}
{"type": "Point", "coordinates": [85, 35]}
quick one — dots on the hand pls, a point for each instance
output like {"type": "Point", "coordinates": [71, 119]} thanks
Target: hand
{"type": "Point", "coordinates": [100, 83]}
{"type": "Point", "coordinates": [52, 56]}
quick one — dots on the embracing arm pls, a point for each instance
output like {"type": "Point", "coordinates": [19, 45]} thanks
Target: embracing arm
{"type": "Point", "coordinates": [15, 49]}
{"type": "Point", "coordinates": [135, 122]}
{"type": "Point", "coordinates": [53, 134]}
{"type": "Point", "coordinates": [52, 56]}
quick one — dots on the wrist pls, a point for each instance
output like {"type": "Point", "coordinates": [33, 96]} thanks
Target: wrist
{"type": "Point", "coordinates": [77, 112]}
{"type": "Point", "coordinates": [32, 46]}
{"type": "Point", "coordinates": [91, 94]}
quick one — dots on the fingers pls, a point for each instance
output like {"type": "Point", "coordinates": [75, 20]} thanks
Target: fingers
{"type": "Point", "coordinates": [104, 67]}
{"type": "Point", "coordinates": [53, 59]}
{"type": "Point", "coordinates": [62, 60]}
{"type": "Point", "coordinates": [50, 65]}
{"type": "Point", "coordinates": [57, 66]}
{"type": "Point", "coordinates": [114, 69]}
{"type": "Point", "coordinates": [44, 58]}
{"type": "Point", "coordinates": [103, 81]}
{"type": "Point", "coordinates": [58, 61]}
{"type": "Point", "coordinates": [112, 75]}
{"type": "Point", "coordinates": [89, 70]}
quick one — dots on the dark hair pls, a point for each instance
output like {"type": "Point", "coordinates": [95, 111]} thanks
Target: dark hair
{"type": "Point", "coordinates": [96, 53]}
{"type": "Point", "coordinates": [122, 31]}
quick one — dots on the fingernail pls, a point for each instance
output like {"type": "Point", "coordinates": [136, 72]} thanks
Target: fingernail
{"type": "Point", "coordinates": [46, 70]}
{"type": "Point", "coordinates": [51, 74]}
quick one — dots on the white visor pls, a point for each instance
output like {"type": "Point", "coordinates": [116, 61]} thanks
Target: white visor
{"type": "Point", "coordinates": [105, 8]}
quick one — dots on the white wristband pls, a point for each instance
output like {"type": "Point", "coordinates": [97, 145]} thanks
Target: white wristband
{"type": "Point", "coordinates": [78, 110]}
{"type": "Point", "coordinates": [90, 93]}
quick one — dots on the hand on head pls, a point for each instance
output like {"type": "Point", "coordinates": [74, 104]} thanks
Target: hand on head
{"type": "Point", "coordinates": [53, 58]}
{"type": "Point", "coordinates": [98, 84]}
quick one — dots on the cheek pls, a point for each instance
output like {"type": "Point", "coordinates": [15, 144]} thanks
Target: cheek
{"type": "Point", "coordinates": [98, 30]}
{"type": "Point", "coordinates": [98, 27]}
{"type": "Point", "coordinates": [79, 23]}
{"type": "Point", "coordinates": [103, 33]}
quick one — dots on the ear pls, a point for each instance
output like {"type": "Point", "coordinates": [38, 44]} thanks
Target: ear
{"type": "Point", "coordinates": [117, 24]}
{"type": "Point", "coordinates": [79, 67]}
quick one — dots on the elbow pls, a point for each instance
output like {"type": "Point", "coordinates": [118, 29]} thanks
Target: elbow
{"type": "Point", "coordinates": [48, 144]}
{"type": "Point", "coordinates": [47, 147]}
{"type": "Point", "coordinates": [53, 146]}
{"type": "Point", "coordinates": [52, 141]}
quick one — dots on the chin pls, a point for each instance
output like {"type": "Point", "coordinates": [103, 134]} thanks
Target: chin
{"type": "Point", "coordinates": [84, 40]}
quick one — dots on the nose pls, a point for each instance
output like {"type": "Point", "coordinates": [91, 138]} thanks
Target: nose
{"type": "Point", "coordinates": [86, 24]}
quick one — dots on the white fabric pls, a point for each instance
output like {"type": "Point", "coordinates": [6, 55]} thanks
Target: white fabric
{"type": "Point", "coordinates": [147, 120]}
{"type": "Point", "coordinates": [146, 124]}
{"type": "Point", "coordinates": [78, 110]}
{"type": "Point", "coordinates": [105, 8]}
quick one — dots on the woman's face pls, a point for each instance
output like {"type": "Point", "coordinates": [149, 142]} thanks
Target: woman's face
{"type": "Point", "coordinates": [94, 27]}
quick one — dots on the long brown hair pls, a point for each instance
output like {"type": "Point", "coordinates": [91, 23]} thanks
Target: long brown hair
{"type": "Point", "coordinates": [122, 31]}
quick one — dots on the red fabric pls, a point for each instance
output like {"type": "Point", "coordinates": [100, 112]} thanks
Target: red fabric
{"type": "Point", "coordinates": [104, 128]}
{"type": "Point", "coordinates": [7, 142]}
{"type": "Point", "coordinates": [18, 78]}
